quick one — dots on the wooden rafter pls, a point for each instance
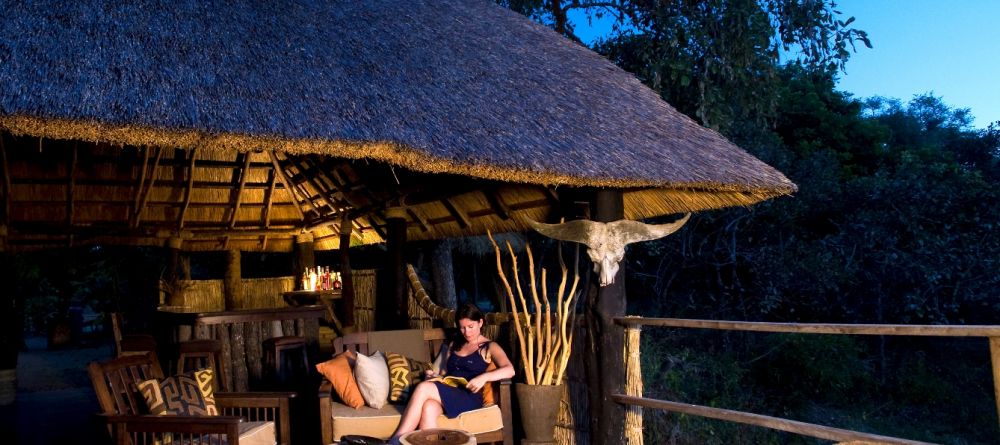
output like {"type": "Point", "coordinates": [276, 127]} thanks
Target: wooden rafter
{"type": "Point", "coordinates": [188, 190]}
{"type": "Point", "coordinates": [321, 191]}
{"type": "Point", "coordinates": [244, 172]}
{"type": "Point", "coordinates": [496, 202]}
{"type": "Point", "coordinates": [142, 194]}
{"type": "Point", "coordinates": [70, 183]}
{"type": "Point", "coordinates": [269, 198]}
{"type": "Point", "coordinates": [458, 214]}
{"type": "Point", "coordinates": [286, 183]}
{"type": "Point", "coordinates": [335, 179]}
{"type": "Point", "coordinates": [418, 216]}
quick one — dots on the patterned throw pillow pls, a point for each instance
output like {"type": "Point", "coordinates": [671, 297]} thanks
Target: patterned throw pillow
{"type": "Point", "coordinates": [185, 394]}
{"type": "Point", "coordinates": [403, 374]}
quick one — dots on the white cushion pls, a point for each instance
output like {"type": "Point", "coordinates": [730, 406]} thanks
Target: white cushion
{"type": "Point", "coordinates": [372, 375]}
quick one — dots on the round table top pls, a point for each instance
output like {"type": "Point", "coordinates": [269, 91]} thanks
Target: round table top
{"type": "Point", "coordinates": [437, 436]}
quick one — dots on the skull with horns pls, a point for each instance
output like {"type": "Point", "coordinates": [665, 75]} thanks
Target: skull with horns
{"type": "Point", "coordinates": [606, 241]}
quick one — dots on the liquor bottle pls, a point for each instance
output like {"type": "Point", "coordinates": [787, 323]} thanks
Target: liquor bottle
{"type": "Point", "coordinates": [336, 280]}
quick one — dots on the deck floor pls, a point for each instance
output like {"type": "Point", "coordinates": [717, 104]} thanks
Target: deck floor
{"type": "Point", "coordinates": [55, 401]}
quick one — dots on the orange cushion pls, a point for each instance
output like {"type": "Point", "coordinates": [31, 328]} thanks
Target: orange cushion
{"type": "Point", "coordinates": [339, 372]}
{"type": "Point", "coordinates": [488, 388]}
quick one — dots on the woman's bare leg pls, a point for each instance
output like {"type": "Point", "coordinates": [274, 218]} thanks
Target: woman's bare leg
{"type": "Point", "coordinates": [429, 415]}
{"type": "Point", "coordinates": [418, 400]}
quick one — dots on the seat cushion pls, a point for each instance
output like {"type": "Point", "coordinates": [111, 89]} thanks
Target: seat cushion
{"type": "Point", "coordinates": [251, 433]}
{"type": "Point", "coordinates": [381, 423]}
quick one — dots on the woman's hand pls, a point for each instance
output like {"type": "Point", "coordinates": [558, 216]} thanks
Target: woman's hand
{"type": "Point", "coordinates": [477, 383]}
{"type": "Point", "coordinates": [429, 373]}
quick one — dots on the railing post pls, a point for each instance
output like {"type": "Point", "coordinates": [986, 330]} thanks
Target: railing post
{"type": "Point", "coordinates": [995, 360]}
{"type": "Point", "coordinates": [633, 385]}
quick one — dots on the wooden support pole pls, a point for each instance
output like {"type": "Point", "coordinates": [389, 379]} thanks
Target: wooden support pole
{"type": "Point", "coordinates": [995, 360]}
{"type": "Point", "coordinates": [172, 278]}
{"type": "Point", "coordinates": [347, 281]}
{"type": "Point", "coordinates": [232, 288]}
{"type": "Point", "coordinates": [606, 342]}
{"type": "Point", "coordinates": [304, 258]}
{"type": "Point", "coordinates": [391, 303]}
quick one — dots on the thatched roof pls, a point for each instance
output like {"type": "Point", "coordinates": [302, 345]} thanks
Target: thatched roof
{"type": "Point", "coordinates": [455, 87]}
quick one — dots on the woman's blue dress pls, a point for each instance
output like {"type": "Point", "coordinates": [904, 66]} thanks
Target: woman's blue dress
{"type": "Point", "coordinates": [459, 400]}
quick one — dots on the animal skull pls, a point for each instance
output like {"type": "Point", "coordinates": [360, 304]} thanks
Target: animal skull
{"type": "Point", "coordinates": [606, 241]}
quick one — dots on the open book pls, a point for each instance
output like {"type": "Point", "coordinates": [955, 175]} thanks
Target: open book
{"type": "Point", "coordinates": [457, 382]}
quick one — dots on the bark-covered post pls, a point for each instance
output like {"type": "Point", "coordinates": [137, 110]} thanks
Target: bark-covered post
{"type": "Point", "coordinates": [346, 280]}
{"type": "Point", "coordinates": [231, 286]}
{"type": "Point", "coordinates": [172, 278]}
{"type": "Point", "coordinates": [304, 258]}
{"type": "Point", "coordinates": [443, 271]}
{"type": "Point", "coordinates": [391, 310]}
{"type": "Point", "coordinates": [605, 340]}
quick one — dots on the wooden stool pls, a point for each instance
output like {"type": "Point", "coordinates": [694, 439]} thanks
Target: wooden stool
{"type": "Point", "coordinates": [438, 436]}
{"type": "Point", "coordinates": [279, 360]}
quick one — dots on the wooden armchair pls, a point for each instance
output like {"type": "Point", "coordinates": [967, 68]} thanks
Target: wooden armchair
{"type": "Point", "coordinates": [247, 418]}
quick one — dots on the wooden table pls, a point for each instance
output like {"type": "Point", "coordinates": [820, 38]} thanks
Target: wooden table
{"type": "Point", "coordinates": [438, 436]}
{"type": "Point", "coordinates": [323, 298]}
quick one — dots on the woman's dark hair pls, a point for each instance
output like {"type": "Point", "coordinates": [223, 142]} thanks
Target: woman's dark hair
{"type": "Point", "coordinates": [467, 311]}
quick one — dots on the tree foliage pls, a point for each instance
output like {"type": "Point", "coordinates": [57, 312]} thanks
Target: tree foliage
{"type": "Point", "coordinates": [895, 222]}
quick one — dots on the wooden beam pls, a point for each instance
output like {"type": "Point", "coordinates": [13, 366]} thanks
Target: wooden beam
{"type": "Point", "coordinates": [286, 183]}
{"type": "Point", "coordinates": [144, 194]}
{"type": "Point", "coordinates": [321, 191]}
{"type": "Point", "coordinates": [995, 362]}
{"type": "Point", "coordinates": [460, 217]}
{"type": "Point", "coordinates": [820, 328]}
{"type": "Point", "coordinates": [605, 359]}
{"type": "Point", "coordinates": [551, 195]}
{"type": "Point", "coordinates": [496, 202]}
{"type": "Point", "coordinates": [417, 216]}
{"type": "Point", "coordinates": [223, 185]}
{"type": "Point", "coordinates": [269, 199]}
{"type": "Point", "coordinates": [142, 177]}
{"type": "Point", "coordinates": [188, 189]}
{"type": "Point", "coordinates": [239, 191]}
{"type": "Point", "coordinates": [70, 183]}
{"type": "Point", "coordinates": [775, 423]}
{"type": "Point", "coordinates": [347, 279]}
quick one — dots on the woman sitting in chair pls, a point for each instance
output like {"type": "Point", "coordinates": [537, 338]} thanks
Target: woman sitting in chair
{"type": "Point", "coordinates": [468, 357]}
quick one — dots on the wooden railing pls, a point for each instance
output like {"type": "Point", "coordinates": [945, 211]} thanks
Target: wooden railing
{"type": "Point", "coordinates": [634, 401]}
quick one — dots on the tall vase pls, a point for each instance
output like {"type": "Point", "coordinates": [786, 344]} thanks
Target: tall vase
{"type": "Point", "coordinates": [539, 408]}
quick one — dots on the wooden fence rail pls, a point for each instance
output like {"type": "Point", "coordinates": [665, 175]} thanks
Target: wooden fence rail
{"type": "Point", "coordinates": [634, 324]}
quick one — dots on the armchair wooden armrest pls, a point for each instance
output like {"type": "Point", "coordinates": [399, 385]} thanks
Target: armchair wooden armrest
{"type": "Point", "coordinates": [325, 410]}
{"type": "Point", "coordinates": [123, 427]}
{"type": "Point", "coordinates": [246, 404]}
{"type": "Point", "coordinates": [504, 401]}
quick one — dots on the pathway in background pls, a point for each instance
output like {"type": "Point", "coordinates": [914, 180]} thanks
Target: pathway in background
{"type": "Point", "coordinates": [55, 401]}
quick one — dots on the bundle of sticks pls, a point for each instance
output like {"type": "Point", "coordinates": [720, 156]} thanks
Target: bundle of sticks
{"type": "Point", "coordinates": [545, 338]}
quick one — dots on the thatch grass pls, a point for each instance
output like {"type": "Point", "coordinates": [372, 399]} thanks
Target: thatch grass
{"type": "Point", "coordinates": [438, 87]}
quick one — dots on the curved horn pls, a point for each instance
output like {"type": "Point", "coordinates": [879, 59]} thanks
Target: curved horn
{"type": "Point", "coordinates": [635, 231]}
{"type": "Point", "coordinates": [578, 231]}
